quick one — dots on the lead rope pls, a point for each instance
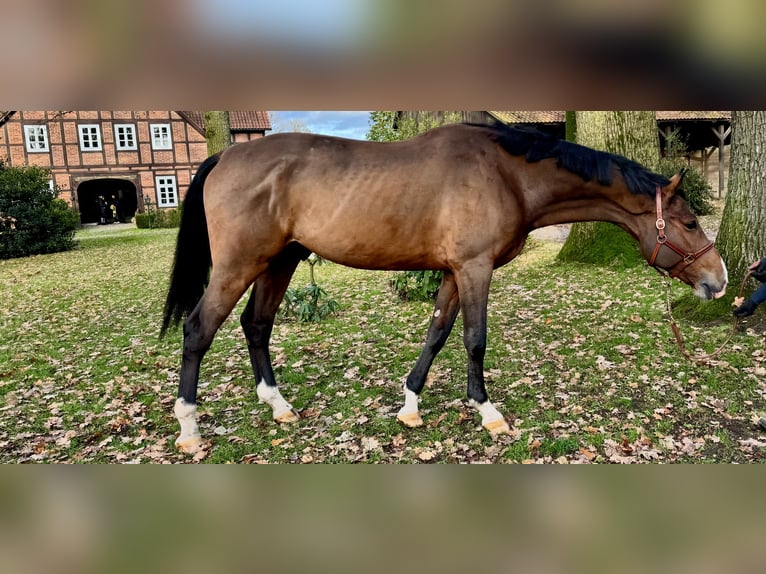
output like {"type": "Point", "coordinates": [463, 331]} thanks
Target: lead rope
{"type": "Point", "coordinates": [706, 358]}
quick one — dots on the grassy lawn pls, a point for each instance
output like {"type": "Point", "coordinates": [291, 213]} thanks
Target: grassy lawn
{"type": "Point", "coordinates": [580, 359]}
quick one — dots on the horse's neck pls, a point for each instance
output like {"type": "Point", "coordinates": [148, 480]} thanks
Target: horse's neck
{"type": "Point", "coordinates": [584, 201]}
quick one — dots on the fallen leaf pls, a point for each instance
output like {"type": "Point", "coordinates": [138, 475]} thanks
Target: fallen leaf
{"type": "Point", "coordinates": [590, 455]}
{"type": "Point", "coordinates": [253, 459]}
{"type": "Point", "coordinates": [201, 455]}
{"type": "Point", "coordinates": [426, 455]}
{"type": "Point", "coordinates": [398, 441]}
{"type": "Point", "coordinates": [370, 443]}
{"type": "Point", "coordinates": [351, 373]}
{"type": "Point", "coordinates": [437, 421]}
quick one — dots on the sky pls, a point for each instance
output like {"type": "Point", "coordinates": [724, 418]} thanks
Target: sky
{"type": "Point", "coordinates": [328, 26]}
{"type": "Point", "coordinates": [353, 125]}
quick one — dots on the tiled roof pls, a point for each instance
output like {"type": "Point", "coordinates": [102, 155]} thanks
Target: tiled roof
{"type": "Point", "coordinates": [240, 121]}
{"type": "Point", "coordinates": [555, 117]}
{"type": "Point", "coordinates": [529, 117]}
{"type": "Point", "coordinates": [693, 115]}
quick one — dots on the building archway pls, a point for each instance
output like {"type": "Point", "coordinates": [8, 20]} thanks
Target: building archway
{"type": "Point", "coordinates": [96, 197]}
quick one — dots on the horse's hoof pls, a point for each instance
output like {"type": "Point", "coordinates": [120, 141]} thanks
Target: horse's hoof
{"type": "Point", "coordinates": [411, 420]}
{"type": "Point", "coordinates": [290, 416]}
{"type": "Point", "coordinates": [191, 445]}
{"type": "Point", "coordinates": [497, 427]}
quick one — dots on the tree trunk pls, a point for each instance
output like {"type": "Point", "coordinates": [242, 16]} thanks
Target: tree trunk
{"type": "Point", "coordinates": [742, 236]}
{"type": "Point", "coordinates": [217, 131]}
{"type": "Point", "coordinates": [628, 133]}
{"type": "Point", "coordinates": [571, 126]}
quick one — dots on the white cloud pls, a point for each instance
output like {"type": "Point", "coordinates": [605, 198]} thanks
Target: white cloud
{"type": "Point", "coordinates": [349, 124]}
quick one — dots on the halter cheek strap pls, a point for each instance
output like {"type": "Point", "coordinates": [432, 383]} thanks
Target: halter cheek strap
{"type": "Point", "coordinates": [687, 257]}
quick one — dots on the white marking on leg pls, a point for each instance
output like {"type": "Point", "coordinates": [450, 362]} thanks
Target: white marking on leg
{"type": "Point", "coordinates": [491, 419]}
{"type": "Point", "coordinates": [437, 313]}
{"type": "Point", "coordinates": [410, 403]}
{"type": "Point", "coordinates": [408, 414]}
{"type": "Point", "coordinates": [487, 411]}
{"type": "Point", "coordinates": [186, 413]}
{"type": "Point", "coordinates": [272, 397]}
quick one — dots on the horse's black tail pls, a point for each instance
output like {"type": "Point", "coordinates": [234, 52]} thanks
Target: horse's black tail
{"type": "Point", "coordinates": [191, 267]}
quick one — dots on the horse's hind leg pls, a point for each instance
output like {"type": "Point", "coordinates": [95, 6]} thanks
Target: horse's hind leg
{"type": "Point", "coordinates": [257, 322]}
{"type": "Point", "coordinates": [445, 311]}
{"type": "Point", "coordinates": [200, 327]}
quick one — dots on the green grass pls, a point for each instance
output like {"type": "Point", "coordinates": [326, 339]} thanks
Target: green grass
{"type": "Point", "coordinates": [580, 359]}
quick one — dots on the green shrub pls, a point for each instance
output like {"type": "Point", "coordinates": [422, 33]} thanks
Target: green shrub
{"type": "Point", "coordinates": [417, 285]}
{"type": "Point", "coordinates": [164, 218]}
{"type": "Point", "coordinates": [309, 304]}
{"type": "Point", "coordinates": [32, 219]}
{"type": "Point", "coordinates": [696, 187]}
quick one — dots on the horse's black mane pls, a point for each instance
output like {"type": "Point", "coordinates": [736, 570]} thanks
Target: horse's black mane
{"type": "Point", "coordinates": [588, 163]}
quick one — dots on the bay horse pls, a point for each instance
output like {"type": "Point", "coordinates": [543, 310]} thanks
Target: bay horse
{"type": "Point", "coordinates": [460, 198]}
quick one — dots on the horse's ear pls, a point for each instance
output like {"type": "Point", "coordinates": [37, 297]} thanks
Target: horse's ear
{"type": "Point", "coordinates": [675, 181]}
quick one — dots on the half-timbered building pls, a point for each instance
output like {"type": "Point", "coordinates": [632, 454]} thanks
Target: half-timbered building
{"type": "Point", "coordinates": [127, 159]}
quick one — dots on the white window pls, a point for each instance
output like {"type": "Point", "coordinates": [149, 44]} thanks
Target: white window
{"type": "Point", "coordinates": [90, 137]}
{"type": "Point", "coordinates": [37, 138]}
{"type": "Point", "coordinates": [161, 136]}
{"type": "Point", "coordinates": [125, 136]}
{"type": "Point", "coordinates": [167, 195]}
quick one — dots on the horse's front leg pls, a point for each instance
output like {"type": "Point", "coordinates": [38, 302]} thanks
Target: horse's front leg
{"type": "Point", "coordinates": [445, 312]}
{"type": "Point", "coordinates": [473, 284]}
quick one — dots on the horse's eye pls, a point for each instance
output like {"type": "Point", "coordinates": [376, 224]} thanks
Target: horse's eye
{"type": "Point", "coordinates": [692, 225]}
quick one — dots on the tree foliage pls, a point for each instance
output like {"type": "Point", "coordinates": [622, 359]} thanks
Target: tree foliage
{"type": "Point", "coordinates": [388, 126]}
{"type": "Point", "coordinates": [32, 219]}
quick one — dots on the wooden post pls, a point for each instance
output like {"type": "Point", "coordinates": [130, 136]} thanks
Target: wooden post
{"type": "Point", "coordinates": [667, 135]}
{"type": "Point", "coordinates": [706, 154]}
{"type": "Point", "coordinates": [722, 134]}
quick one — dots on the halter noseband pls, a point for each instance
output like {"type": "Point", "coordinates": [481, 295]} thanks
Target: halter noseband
{"type": "Point", "coordinates": [687, 257]}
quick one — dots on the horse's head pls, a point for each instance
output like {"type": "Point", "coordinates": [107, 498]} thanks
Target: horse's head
{"type": "Point", "coordinates": [675, 243]}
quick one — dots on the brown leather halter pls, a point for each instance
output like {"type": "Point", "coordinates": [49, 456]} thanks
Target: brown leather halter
{"type": "Point", "coordinates": [687, 257]}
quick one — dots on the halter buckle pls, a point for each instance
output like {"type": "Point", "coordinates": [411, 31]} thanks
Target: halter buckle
{"type": "Point", "coordinates": [689, 258]}
{"type": "Point", "coordinates": [660, 224]}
